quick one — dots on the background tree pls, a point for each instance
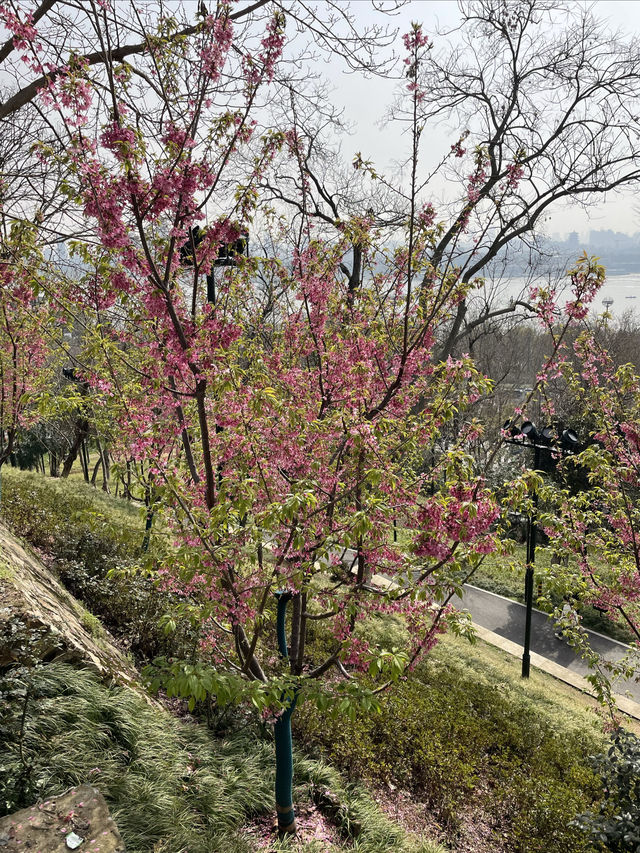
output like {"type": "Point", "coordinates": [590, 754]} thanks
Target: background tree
{"type": "Point", "coordinates": [27, 334]}
{"type": "Point", "coordinates": [597, 527]}
{"type": "Point", "coordinates": [541, 101]}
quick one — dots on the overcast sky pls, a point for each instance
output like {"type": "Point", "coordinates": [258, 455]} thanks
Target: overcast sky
{"type": "Point", "coordinates": [366, 101]}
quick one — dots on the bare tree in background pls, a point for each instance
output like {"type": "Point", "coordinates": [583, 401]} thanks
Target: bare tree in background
{"type": "Point", "coordinates": [542, 102]}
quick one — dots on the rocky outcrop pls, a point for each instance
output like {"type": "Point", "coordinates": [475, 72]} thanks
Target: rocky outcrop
{"type": "Point", "coordinates": [35, 606]}
{"type": "Point", "coordinates": [76, 820]}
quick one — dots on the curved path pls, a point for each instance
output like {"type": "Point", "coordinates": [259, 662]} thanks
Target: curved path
{"type": "Point", "coordinates": [500, 622]}
{"type": "Point", "coordinates": [506, 618]}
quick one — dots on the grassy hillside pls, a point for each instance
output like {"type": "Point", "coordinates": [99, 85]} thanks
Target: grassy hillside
{"type": "Point", "coordinates": [477, 747]}
{"type": "Point", "coordinates": [172, 787]}
{"type": "Point", "coordinates": [463, 750]}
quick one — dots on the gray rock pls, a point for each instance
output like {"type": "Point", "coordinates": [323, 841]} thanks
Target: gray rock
{"type": "Point", "coordinates": [76, 820]}
{"type": "Point", "coordinates": [30, 592]}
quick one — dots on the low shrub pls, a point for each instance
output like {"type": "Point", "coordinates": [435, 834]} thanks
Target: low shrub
{"type": "Point", "coordinates": [616, 826]}
{"type": "Point", "coordinates": [459, 740]}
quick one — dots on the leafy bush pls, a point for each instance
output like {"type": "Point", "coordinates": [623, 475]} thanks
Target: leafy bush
{"type": "Point", "coordinates": [460, 739]}
{"type": "Point", "coordinates": [616, 826]}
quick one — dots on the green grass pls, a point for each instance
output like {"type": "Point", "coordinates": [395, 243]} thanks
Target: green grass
{"type": "Point", "coordinates": [63, 500]}
{"type": "Point", "coordinates": [171, 786]}
{"type": "Point", "coordinates": [87, 536]}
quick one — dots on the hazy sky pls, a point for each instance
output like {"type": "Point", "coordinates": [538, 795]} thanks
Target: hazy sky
{"type": "Point", "coordinates": [366, 101]}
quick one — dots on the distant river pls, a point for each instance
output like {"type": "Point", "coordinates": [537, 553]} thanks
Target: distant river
{"type": "Point", "coordinates": [623, 290]}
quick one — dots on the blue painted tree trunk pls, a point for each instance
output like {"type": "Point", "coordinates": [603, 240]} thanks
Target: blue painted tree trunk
{"type": "Point", "coordinates": [282, 735]}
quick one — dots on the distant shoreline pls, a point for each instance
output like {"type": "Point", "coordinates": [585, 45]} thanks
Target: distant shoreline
{"type": "Point", "coordinates": [623, 289]}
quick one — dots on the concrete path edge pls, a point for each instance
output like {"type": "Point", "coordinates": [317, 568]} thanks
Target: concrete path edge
{"type": "Point", "coordinates": [627, 706]}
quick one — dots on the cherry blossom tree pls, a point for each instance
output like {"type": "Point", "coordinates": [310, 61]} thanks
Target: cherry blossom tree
{"type": "Point", "coordinates": [284, 436]}
{"type": "Point", "coordinates": [27, 337]}
{"type": "Point", "coordinates": [592, 520]}
{"type": "Point", "coordinates": [281, 441]}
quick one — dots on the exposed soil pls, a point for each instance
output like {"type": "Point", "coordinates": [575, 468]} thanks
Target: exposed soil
{"type": "Point", "coordinates": [476, 834]}
{"type": "Point", "coordinates": [311, 825]}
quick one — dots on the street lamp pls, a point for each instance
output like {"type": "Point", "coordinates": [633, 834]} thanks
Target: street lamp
{"type": "Point", "coordinates": [563, 441]}
{"type": "Point", "coordinates": [228, 254]}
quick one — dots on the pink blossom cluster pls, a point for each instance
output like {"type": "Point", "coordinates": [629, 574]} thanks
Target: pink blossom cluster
{"type": "Point", "coordinates": [119, 140]}
{"type": "Point", "coordinates": [475, 183]}
{"type": "Point", "coordinates": [214, 54]}
{"type": "Point", "coordinates": [426, 216]}
{"type": "Point", "coordinates": [23, 31]}
{"type": "Point", "coordinates": [414, 40]}
{"type": "Point", "coordinates": [515, 171]}
{"type": "Point", "coordinates": [465, 516]}
{"type": "Point", "coordinates": [272, 45]}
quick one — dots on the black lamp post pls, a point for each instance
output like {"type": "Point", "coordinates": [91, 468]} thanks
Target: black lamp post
{"type": "Point", "coordinates": [228, 254]}
{"type": "Point", "coordinates": [564, 442]}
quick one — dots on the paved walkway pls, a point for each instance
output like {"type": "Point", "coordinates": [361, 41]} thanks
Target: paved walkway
{"type": "Point", "coordinates": [500, 622]}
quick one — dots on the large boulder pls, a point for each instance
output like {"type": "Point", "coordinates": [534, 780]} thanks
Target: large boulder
{"type": "Point", "coordinates": [40, 618]}
{"type": "Point", "coordinates": [76, 820]}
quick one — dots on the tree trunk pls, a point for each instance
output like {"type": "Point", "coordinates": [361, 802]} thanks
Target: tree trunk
{"type": "Point", "coordinates": [81, 432]}
{"type": "Point", "coordinates": [84, 460]}
{"type": "Point", "coordinates": [106, 468]}
{"type": "Point", "coordinates": [284, 772]}
{"type": "Point", "coordinates": [104, 461]}
{"type": "Point", "coordinates": [148, 499]}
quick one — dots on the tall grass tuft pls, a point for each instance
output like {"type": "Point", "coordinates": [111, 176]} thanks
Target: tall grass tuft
{"type": "Point", "coordinates": [171, 786]}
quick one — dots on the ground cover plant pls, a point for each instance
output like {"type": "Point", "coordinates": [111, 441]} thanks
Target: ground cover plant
{"type": "Point", "coordinates": [171, 787]}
